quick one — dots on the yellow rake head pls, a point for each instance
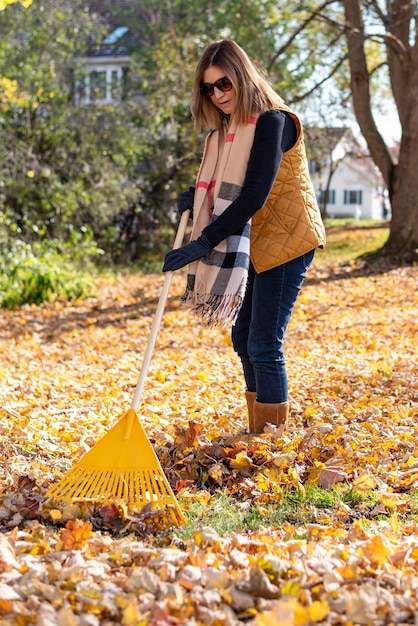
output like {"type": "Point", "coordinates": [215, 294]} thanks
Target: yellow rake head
{"type": "Point", "coordinates": [123, 464]}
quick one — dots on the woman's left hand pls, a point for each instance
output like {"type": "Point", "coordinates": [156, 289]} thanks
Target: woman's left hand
{"type": "Point", "coordinates": [193, 251]}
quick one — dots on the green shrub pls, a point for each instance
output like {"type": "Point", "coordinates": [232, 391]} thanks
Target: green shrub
{"type": "Point", "coordinates": [40, 272]}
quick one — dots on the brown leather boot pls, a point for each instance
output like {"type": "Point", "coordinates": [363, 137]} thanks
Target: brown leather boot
{"type": "Point", "coordinates": [275, 414]}
{"type": "Point", "coordinates": [250, 396]}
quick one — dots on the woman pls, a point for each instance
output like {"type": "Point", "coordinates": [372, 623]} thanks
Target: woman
{"type": "Point", "coordinates": [256, 222]}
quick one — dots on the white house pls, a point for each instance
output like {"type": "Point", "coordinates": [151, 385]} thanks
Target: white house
{"type": "Point", "coordinates": [346, 181]}
{"type": "Point", "coordinates": [103, 71]}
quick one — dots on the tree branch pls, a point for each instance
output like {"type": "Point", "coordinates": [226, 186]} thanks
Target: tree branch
{"type": "Point", "coordinates": [315, 14]}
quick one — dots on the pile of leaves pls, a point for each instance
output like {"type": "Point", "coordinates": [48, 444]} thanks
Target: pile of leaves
{"type": "Point", "coordinates": [68, 373]}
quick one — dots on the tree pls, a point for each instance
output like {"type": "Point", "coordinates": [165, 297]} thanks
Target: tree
{"type": "Point", "coordinates": [65, 169]}
{"type": "Point", "coordinates": [398, 36]}
{"type": "Point", "coordinates": [371, 56]}
{"type": "Point", "coordinates": [379, 61]}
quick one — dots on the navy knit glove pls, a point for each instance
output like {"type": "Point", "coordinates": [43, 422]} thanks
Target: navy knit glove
{"type": "Point", "coordinates": [185, 201]}
{"type": "Point", "coordinates": [180, 257]}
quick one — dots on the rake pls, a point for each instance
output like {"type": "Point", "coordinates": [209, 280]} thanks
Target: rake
{"type": "Point", "coordinates": [123, 462]}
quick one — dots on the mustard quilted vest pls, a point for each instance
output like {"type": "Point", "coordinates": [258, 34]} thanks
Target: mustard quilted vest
{"type": "Point", "coordinates": [290, 223]}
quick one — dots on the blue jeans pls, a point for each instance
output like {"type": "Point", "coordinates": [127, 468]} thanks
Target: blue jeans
{"type": "Point", "coordinates": [258, 333]}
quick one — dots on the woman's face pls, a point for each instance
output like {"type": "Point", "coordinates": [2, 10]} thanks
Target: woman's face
{"type": "Point", "coordinates": [222, 99]}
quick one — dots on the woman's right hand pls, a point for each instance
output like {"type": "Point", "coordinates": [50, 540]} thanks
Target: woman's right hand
{"type": "Point", "coordinates": [185, 201]}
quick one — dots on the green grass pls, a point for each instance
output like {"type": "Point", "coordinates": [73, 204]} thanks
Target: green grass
{"type": "Point", "coordinates": [226, 514]}
{"type": "Point", "coordinates": [348, 240]}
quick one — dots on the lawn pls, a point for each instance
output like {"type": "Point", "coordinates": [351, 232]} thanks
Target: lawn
{"type": "Point", "coordinates": [318, 526]}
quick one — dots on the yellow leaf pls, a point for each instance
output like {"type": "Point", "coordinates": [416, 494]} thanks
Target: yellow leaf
{"type": "Point", "coordinates": [272, 474]}
{"type": "Point", "coordinates": [389, 500]}
{"type": "Point", "coordinates": [227, 340]}
{"type": "Point", "coordinates": [318, 610]}
{"type": "Point", "coordinates": [241, 460]}
{"type": "Point", "coordinates": [394, 522]}
{"type": "Point", "coordinates": [376, 550]}
{"type": "Point", "coordinates": [5, 3]}
{"type": "Point", "coordinates": [310, 411]}
{"type": "Point", "coordinates": [160, 376]}
{"type": "Point", "coordinates": [315, 612]}
{"type": "Point", "coordinates": [6, 606]}
{"type": "Point", "coordinates": [131, 615]}
{"type": "Point", "coordinates": [216, 471]}
{"type": "Point", "coordinates": [201, 495]}
{"type": "Point", "coordinates": [364, 483]}
{"type": "Point", "coordinates": [263, 483]}
{"type": "Point", "coordinates": [314, 472]}
{"type": "Point", "coordinates": [346, 572]}
{"type": "Point", "coordinates": [291, 588]}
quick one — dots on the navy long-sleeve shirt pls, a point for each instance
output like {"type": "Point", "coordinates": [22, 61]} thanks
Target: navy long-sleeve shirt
{"type": "Point", "coordinates": [275, 133]}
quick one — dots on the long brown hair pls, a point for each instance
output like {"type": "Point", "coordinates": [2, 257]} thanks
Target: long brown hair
{"type": "Point", "coordinates": [254, 94]}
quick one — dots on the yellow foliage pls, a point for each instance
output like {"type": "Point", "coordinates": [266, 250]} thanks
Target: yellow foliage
{"type": "Point", "coordinates": [5, 3]}
{"type": "Point", "coordinates": [10, 93]}
{"type": "Point", "coordinates": [389, 500]}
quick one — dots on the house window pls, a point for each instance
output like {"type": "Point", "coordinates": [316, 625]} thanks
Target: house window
{"type": "Point", "coordinates": [101, 85]}
{"type": "Point", "coordinates": [326, 196]}
{"type": "Point", "coordinates": [331, 196]}
{"type": "Point", "coordinates": [353, 196]}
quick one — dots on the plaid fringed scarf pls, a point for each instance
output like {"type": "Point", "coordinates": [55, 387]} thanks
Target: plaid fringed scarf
{"type": "Point", "coordinates": [216, 284]}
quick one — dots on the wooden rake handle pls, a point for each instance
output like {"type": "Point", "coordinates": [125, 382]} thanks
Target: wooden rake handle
{"type": "Point", "coordinates": [158, 317]}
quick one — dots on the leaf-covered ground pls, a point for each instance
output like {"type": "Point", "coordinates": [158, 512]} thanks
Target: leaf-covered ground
{"type": "Point", "coordinates": [68, 372]}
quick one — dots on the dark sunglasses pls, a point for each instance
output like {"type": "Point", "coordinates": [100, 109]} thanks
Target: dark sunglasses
{"type": "Point", "coordinates": [223, 84]}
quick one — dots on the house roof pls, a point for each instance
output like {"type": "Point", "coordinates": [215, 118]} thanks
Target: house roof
{"type": "Point", "coordinates": [117, 17]}
{"type": "Point", "coordinates": [322, 143]}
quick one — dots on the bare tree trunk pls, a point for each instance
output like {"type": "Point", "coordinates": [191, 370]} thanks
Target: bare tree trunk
{"type": "Point", "coordinates": [404, 226]}
{"type": "Point", "coordinates": [401, 179]}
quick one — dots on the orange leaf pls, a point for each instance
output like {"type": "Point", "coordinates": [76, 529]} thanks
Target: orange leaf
{"type": "Point", "coordinates": [6, 606]}
{"type": "Point", "coordinates": [75, 534]}
{"type": "Point", "coordinates": [191, 435]}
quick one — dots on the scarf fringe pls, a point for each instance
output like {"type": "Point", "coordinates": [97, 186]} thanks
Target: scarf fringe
{"type": "Point", "coordinates": [214, 309]}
